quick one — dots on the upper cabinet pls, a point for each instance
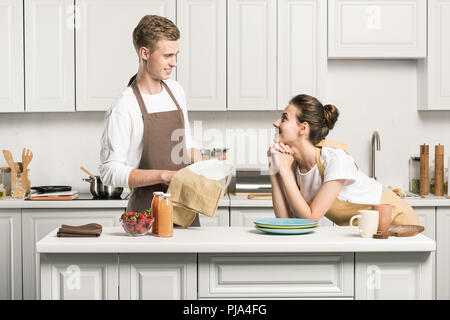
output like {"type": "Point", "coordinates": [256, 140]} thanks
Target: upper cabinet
{"type": "Point", "coordinates": [11, 56]}
{"type": "Point", "coordinates": [252, 55]}
{"type": "Point", "coordinates": [302, 49]}
{"type": "Point", "coordinates": [49, 55]}
{"type": "Point", "coordinates": [377, 28]}
{"type": "Point", "coordinates": [105, 55]}
{"type": "Point", "coordinates": [202, 60]}
{"type": "Point", "coordinates": [434, 72]}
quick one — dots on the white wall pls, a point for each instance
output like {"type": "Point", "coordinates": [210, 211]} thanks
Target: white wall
{"type": "Point", "coordinates": [371, 95]}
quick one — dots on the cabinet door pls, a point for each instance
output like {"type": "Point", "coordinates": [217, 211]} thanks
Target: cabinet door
{"type": "Point", "coordinates": [222, 219]}
{"type": "Point", "coordinates": [202, 61]}
{"type": "Point", "coordinates": [158, 276]}
{"type": "Point", "coordinates": [427, 217]}
{"type": "Point", "coordinates": [37, 223]}
{"type": "Point", "coordinates": [392, 276]}
{"type": "Point", "coordinates": [11, 255]}
{"type": "Point", "coordinates": [105, 54]}
{"type": "Point", "coordinates": [377, 29]}
{"type": "Point", "coordinates": [79, 276]}
{"type": "Point", "coordinates": [301, 25]}
{"type": "Point", "coordinates": [252, 60]}
{"type": "Point", "coordinates": [244, 217]}
{"type": "Point", "coordinates": [434, 72]}
{"type": "Point", "coordinates": [11, 56]}
{"type": "Point", "coordinates": [443, 253]}
{"type": "Point", "coordinates": [49, 55]}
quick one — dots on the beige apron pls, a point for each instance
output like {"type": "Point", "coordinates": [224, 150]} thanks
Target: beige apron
{"type": "Point", "coordinates": [341, 211]}
{"type": "Point", "coordinates": [157, 148]}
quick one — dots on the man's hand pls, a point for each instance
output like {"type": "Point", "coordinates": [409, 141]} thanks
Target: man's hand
{"type": "Point", "coordinates": [166, 176]}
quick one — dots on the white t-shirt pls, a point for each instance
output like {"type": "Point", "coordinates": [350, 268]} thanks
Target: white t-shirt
{"type": "Point", "coordinates": [358, 188]}
{"type": "Point", "coordinates": [123, 134]}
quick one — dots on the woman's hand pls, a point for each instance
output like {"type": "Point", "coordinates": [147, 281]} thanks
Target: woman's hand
{"type": "Point", "coordinates": [280, 157]}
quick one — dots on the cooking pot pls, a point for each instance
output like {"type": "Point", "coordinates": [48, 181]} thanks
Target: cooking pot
{"type": "Point", "coordinates": [100, 191]}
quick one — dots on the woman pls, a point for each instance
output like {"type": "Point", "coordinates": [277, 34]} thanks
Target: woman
{"type": "Point", "coordinates": [312, 177]}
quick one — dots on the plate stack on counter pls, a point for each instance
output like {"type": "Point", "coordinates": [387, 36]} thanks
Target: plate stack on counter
{"type": "Point", "coordinates": [53, 193]}
{"type": "Point", "coordinates": [286, 225]}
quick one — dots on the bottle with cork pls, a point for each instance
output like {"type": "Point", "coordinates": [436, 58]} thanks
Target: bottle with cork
{"type": "Point", "coordinates": [424, 167]}
{"type": "Point", "coordinates": [439, 170]}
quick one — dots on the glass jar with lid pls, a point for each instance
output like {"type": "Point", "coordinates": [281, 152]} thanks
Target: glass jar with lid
{"type": "Point", "coordinates": [220, 153]}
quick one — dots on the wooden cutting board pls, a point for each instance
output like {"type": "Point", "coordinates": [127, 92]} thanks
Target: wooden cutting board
{"type": "Point", "coordinates": [398, 230]}
{"type": "Point", "coordinates": [260, 196]}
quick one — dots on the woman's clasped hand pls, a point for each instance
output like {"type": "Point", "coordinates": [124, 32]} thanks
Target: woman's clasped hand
{"type": "Point", "coordinates": [280, 157]}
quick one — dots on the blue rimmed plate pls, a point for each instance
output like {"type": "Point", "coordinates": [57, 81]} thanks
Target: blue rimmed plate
{"type": "Point", "coordinates": [281, 227]}
{"type": "Point", "coordinates": [285, 231]}
{"type": "Point", "coordinates": [285, 223]}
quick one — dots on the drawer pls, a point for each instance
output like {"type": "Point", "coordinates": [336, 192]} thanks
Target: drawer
{"type": "Point", "coordinates": [275, 275]}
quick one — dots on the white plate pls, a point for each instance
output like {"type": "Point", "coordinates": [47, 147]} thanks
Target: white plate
{"type": "Point", "coordinates": [215, 170]}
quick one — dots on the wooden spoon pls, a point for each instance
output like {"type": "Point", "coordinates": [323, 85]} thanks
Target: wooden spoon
{"type": "Point", "coordinates": [87, 172]}
{"type": "Point", "coordinates": [8, 157]}
{"type": "Point", "coordinates": [27, 156]}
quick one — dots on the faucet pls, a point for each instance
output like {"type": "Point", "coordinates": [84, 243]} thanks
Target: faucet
{"type": "Point", "coordinates": [375, 140]}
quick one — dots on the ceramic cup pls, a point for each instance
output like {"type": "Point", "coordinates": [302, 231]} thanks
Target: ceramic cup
{"type": "Point", "coordinates": [367, 222]}
{"type": "Point", "coordinates": [384, 216]}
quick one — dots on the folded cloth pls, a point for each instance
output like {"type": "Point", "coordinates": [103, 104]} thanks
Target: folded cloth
{"type": "Point", "coordinates": [192, 193]}
{"type": "Point", "coordinates": [87, 230]}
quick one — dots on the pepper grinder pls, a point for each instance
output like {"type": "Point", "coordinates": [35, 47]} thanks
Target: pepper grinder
{"type": "Point", "coordinates": [424, 185]}
{"type": "Point", "coordinates": [439, 170]}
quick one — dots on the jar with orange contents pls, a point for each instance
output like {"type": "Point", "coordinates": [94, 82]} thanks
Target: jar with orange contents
{"type": "Point", "coordinates": [165, 216]}
{"type": "Point", "coordinates": [155, 203]}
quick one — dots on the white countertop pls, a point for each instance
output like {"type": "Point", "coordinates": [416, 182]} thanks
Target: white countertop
{"type": "Point", "coordinates": [428, 201]}
{"type": "Point", "coordinates": [233, 239]}
{"type": "Point", "coordinates": [85, 202]}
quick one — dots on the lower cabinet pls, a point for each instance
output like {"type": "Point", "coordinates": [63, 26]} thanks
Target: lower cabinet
{"type": "Point", "coordinates": [158, 276]}
{"type": "Point", "coordinates": [10, 255]}
{"type": "Point", "coordinates": [222, 218]}
{"type": "Point", "coordinates": [244, 216]}
{"type": "Point", "coordinates": [396, 276]}
{"type": "Point", "coordinates": [37, 223]}
{"type": "Point", "coordinates": [222, 276]}
{"type": "Point", "coordinates": [79, 276]}
{"type": "Point", "coordinates": [443, 253]}
{"type": "Point", "coordinates": [427, 218]}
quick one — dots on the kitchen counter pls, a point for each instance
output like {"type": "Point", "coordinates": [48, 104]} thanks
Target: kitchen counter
{"type": "Point", "coordinates": [232, 239]}
{"type": "Point", "coordinates": [428, 201]}
{"type": "Point", "coordinates": [84, 201]}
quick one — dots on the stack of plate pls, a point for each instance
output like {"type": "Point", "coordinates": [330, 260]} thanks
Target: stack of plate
{"type": "Point", "coordinates": [286, 225]}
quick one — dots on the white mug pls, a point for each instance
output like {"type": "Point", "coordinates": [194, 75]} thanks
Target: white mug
{"type": "Point", "coordinates": [367, 222]}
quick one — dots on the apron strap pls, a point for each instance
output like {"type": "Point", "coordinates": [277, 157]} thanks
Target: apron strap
{"type": "Point", "coordinates": [171, 94]}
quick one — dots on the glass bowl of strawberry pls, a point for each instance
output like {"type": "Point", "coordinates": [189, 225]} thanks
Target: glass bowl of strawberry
{"type": "Point", "coordinates": [137, 224]}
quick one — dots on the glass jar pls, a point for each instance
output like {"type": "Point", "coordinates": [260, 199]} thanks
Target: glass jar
{"type": "Point", "coordinates": [220, 153]}
{"type": "Point", "coordinates": [17, 191]}
{"type": "Point", "coordinates": [155, 204]}
{"type": "Point", "coordinates": [206, 154]}
{"type": "Point", "coordinates": [165, 216]}
{"type": "Point", "coordinates": [414, 175]}
{"type": "Point", "coordinates": [2, 192]}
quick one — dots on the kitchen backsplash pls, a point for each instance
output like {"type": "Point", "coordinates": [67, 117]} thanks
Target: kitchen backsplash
{"type": "Point", "coordinates": [371, 95]}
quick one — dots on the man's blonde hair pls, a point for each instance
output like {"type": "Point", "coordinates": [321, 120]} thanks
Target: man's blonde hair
{"type": "Point", "coordinates": [151, 29]}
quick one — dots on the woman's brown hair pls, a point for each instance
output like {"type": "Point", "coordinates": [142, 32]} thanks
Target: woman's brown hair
{"type": "Point", "coordinates": [321, 118]}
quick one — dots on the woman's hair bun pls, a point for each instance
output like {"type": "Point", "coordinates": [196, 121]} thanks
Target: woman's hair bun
{"type": "Point", "coordinates": [331, 114]}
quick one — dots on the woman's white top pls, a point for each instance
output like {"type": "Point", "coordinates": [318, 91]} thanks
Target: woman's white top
{"type": "Point", "coordinates": [358, 187]}
{"type": "Point", "coordinates": [123, 134]}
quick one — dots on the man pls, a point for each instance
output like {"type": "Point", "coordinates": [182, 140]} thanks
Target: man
{"type": "Point", "coordinates": [141, 138]}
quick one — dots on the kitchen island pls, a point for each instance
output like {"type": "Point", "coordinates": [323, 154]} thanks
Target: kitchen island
{"type": "Point", "coordinates": [236, 262]}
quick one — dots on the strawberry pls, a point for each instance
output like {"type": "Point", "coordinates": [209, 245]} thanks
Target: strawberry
{"type": "Point", "coordinates": [141, 217]}
{"type": "Point", "coordinates": [132, 214]}
{"type": "Point", "coordinates": [124, 216]}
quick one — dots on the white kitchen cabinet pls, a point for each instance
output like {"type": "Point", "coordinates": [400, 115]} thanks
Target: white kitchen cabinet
{"type": "Point", "coordinates": [427, 218]}
{"type": "Point", "coordinates": [252, 55]}
{"type": "Point", "coordinates": [434, 72]}
{"type": "Point", "coordinates": [11, 255]}
{"type": "Point", "coordinates": [302, 49]}
{"type": "Point", "coordinates": [393, 276]}
{"type": "Point", "coordinates": [202, 61]}
{"type": "Point", "coordinates": [79, 276]}
{"type": "Point", "coordinates": [11, 56]}
{"type": "Point", "coordinates": [158, 276]}
{"type": "Point", "coordinates": [377, 29]}
{"type": "Point", "coordinates": [49, 55]}
{"type": "Point", "coordinates": [275, 275]}
{"type": "Point", "coordinates": [244, 216]}
{"type": "Point", "coordinates": [105, 54]}
{"type": "Point", "coordinates": [443, 253]}
{"type": "Point", "coordinates": [37, 223]}
{"type": "Point", "coordinates": [222, 218]}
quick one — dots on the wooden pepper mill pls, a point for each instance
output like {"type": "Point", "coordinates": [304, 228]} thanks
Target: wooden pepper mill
{"type": "Point", "coordinates": [439, 170]}
{"type": "Point", "coordinates": [424, 183]}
